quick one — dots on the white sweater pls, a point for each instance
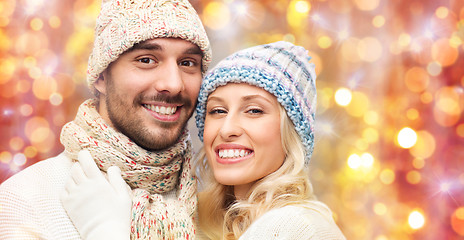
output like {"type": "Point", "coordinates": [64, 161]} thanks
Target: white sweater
{"type": "Point", "coordinates": [30, 206]}
{"type": "Point", "coordinates": [311, 221]}
{"type": "Point", "coordinates": [30, 202]}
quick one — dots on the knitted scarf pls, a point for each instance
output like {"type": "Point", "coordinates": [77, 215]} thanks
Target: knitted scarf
{"type": "Point", "coordinates": [148, 173]}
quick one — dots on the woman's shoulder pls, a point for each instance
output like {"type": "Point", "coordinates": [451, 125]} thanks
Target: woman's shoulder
{"type": "Point", "coordinates": [303, 214]}
{"type": "Point", "coordinates": [311, 220]}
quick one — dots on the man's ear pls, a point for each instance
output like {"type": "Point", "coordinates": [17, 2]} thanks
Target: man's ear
{"type": "Point", "coordinates": [100, 84]}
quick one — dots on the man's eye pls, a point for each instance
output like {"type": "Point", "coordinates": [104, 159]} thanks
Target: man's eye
{"type": "Point", "coordinates": [146, 60]}
{"type": "Point", "coordinates": [187, 63]}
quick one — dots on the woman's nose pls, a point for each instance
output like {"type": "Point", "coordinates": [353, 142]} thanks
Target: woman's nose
{"type": "Point", "coordinates": [231, 127]}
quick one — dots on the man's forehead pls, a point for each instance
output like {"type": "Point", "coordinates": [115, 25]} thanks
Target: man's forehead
{"type": "Point", "coordinates": [163, 43]}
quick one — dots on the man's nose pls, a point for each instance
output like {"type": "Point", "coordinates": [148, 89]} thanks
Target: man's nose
{"type": "Point", "coordinates": [170, 79]}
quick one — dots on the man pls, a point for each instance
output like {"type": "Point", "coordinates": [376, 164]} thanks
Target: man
{"type": "Point", "coordinates": [145, 71]}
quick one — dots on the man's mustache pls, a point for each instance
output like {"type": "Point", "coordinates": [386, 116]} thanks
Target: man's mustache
{"type": "Point", "coordinates": [160, 97]}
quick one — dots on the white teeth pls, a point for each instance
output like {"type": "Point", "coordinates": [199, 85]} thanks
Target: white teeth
{"type": "Point", "coordinates": [161, 110]}
{"type": "Point", "coordinates": [233, 153]}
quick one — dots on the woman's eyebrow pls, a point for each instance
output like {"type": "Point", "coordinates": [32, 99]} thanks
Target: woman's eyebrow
{"type": "Point", "coordinates": [243, 99]}
{"type": "Point", "coordinates": [214, 98]}
{"type": "Point", "coordinates": [255, 96]}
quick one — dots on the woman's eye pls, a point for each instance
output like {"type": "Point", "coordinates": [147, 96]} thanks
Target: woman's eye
{"type": "Point", "coordinates": [216, 111]}
{"type": "Point", "coordinates": [146, 60]}
{"type": "Point", "coordinates": [255, 111]}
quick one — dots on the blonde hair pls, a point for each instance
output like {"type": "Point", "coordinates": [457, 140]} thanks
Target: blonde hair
{"type": "Point", "coordinates": [224, 217]}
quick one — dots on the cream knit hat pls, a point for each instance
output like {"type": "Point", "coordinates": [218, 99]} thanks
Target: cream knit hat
{"type": "Point", "coordinates": [123, 23]}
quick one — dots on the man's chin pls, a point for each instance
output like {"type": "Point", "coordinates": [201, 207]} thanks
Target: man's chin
{"type": "Point", "coordinates": [159, 141]}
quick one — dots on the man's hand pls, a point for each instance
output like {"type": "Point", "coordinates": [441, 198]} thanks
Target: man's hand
{"type": "Point", "coordinates": [99, 208]}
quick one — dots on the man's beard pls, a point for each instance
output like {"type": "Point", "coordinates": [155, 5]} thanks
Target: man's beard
{"type": "Point", "coordinates": [125, 119]}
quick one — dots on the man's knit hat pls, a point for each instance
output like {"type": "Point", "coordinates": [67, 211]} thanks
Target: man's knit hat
{"type": "Point", "coordinates": [280, 68]}
{"type": "Point", "coordinates": [123, 23]}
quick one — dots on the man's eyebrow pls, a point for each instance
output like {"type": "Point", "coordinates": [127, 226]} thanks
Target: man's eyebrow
{"type": "Point", "coordinates": [194, 50]}
{"type": "Point", "coordinates": [155, 46]}
{"type": "Point", "coordinates": [145, 46]}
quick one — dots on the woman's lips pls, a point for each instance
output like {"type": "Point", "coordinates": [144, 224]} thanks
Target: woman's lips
{"type": "Point", "coordinates": [232, 153]}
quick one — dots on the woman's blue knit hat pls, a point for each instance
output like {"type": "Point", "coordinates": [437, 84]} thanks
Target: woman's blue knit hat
{"type": "Point", "coordinates": [280, 68]}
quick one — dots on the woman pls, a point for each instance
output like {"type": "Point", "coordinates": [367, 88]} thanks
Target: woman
{"type": "Point", "coordinates": [255, 115]}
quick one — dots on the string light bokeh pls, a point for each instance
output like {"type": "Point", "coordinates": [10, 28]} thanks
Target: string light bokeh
{"type": "Point", "coordinates": [390, 133]}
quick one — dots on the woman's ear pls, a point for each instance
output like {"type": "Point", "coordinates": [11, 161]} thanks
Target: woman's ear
{"type": "Point", "coordinates": [100, 84]}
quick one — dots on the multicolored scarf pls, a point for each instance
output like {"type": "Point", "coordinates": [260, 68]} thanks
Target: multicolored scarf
{"type": "Point", "coordinates": [148, 173]}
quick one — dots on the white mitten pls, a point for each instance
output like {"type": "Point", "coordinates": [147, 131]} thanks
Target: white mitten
{"type": "Point", "coordinates": [99, 208]}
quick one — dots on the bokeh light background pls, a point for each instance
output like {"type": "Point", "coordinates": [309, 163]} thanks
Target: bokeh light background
{"type": "Point", "coordinates": [390, 132]}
